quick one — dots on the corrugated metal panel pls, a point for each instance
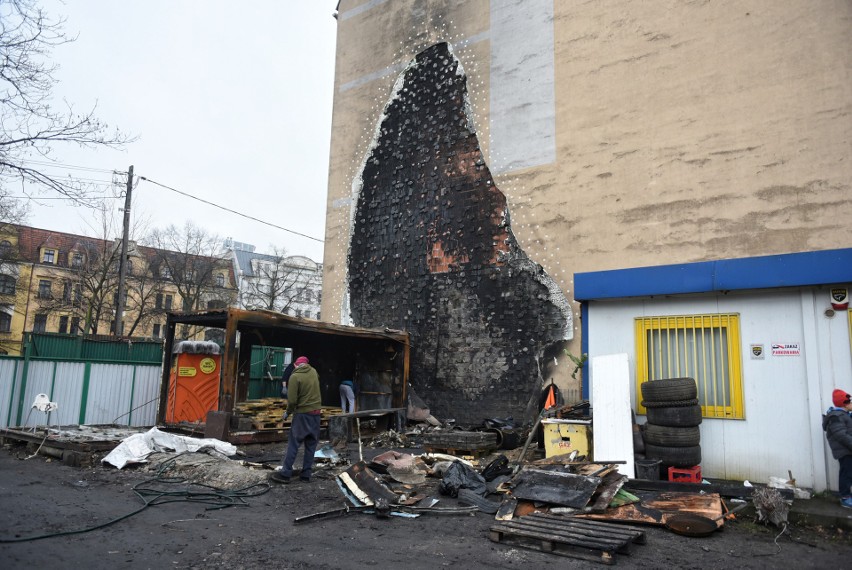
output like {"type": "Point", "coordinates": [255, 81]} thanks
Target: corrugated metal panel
{"type": "Point", "coordinates": [123, 351]}
{"type": "Point", "coordinates": [72, 347]}
{"type": "Point", "coordinates": [55, 346]}
{"type": "Point", "coordinates": [109, 395]}
{"type": "Point", "coordinates": [39, 378]}
{"type": "Point", "coordinates": [10, 382]}
{"type": "Point", "coordinates": [67, 391]}
{"type": "Point", "coordinates": [146, 397]}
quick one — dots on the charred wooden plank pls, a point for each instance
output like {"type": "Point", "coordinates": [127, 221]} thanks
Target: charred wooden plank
{"type": "Point", "coordinates": [554, 487]}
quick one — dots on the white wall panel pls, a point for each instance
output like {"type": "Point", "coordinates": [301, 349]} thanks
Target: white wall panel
{"type": "Point", "coordinates": [10, 381]}
{"type": "Point", "coordinates": [110, 388]}
{"type": "Point", "coordinates": [146, 397]}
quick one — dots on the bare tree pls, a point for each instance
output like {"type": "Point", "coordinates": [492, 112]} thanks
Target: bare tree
{"type": "Point", "coordinates": [32, 126]}
{"type": "Point", "coordinates": [188, 257]}
{"type": "Point", "coordinates": [277, 284]}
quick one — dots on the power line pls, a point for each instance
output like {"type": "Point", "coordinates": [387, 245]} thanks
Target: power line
{"type": "Point", "coordinates": [71, 166]}
{"type": "Point", "coordinates": [230, 210]}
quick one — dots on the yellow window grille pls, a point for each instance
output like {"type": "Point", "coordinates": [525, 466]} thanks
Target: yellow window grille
{"type": "Point", "coordinates": [703, 347]}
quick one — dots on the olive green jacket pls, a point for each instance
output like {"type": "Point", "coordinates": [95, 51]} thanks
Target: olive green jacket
{"type": "Point", "coordinates": [303, 391]}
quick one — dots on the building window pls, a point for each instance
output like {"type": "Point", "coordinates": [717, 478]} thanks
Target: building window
{"type": "Point", "coordinates": [703, 347]}
{"type": "Point", "coordinates": [298, 312]}
{"type": "Point", "coordinates": [75, 325]}
{"type": "Point", "coordinates": [220, 280]}
{"type": "Point", "coordinates": [5, 248]}
{"type": "Point", "coordinates": [5, 322]}
{"type": "Point", "coordinates": [318, 315]}
{"type": "Point", "coordinates": [67, 288]}
{"type": "Point", "coordinates": [156, 333]}
{"type": "Point", "coordinates": [48, 256]}
{"type": "Point", "coordinates": [44, 287]}
{"type": "Point", "coordinates": [63, 324]}
{"type": "Point", "coordinates": [77, 260]}
{"type": "Point", "coordinates": [168, 304]}
{"type": "Point", "coordinates": [319, 297]}
{"type": "Point", "coordinates": [158, 301]}
{"type": "Point", "coordinates": [7, 285]}
{"type": "Point", "coordinates": [40, 323]}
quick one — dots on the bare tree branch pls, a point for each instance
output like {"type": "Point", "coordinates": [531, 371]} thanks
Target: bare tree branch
{"type": "Point", "coordinates": [30, 126]}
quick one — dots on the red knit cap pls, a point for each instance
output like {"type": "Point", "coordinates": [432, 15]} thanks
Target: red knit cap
{"type": "Point", "coordinates": [840, 398]}
{"type": "Point", "coordinates": [304, 360]}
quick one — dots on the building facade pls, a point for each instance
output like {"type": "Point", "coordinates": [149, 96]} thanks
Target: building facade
{"type": "Point", "coordinates": [289, 284]}
{"type": "Point", "coordinates": [603, 137]}
{"type": "Point", "coordinates": [59, 282]}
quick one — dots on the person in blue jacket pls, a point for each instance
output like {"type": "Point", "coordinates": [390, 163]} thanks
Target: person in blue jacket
{"type": "Point", "coordinates": [837, 423]}
{"type": "Point", "coordinates": [348, 391]}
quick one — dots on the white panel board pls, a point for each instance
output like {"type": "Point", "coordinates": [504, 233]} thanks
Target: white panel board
{"type": "Point", "coordinates": [611, 421]}
{"type": "Point", "coordinates": [146, 397]}
{"type": "Point", "coordinates": [10, 380]}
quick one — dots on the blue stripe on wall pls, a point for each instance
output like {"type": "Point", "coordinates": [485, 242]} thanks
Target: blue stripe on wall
{"type": "Point", "coordinates": [771, 271]}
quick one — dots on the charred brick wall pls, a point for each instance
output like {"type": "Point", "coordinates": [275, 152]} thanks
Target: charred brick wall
{"type": "Point", "coordinates": [432, 252]}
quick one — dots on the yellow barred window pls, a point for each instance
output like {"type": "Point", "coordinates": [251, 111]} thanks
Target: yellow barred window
{"type": "Point", "coordinates": [703, 347]}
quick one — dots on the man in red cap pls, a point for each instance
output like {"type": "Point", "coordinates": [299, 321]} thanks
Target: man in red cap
{"type": "Point", "coordinates": [303, 402]}
{"type": "Point", "coordinates": [837, 423]}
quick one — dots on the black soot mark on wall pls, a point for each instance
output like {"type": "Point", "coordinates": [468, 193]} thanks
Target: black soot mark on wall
{"type": "Point", "coordinates": [432, 253]}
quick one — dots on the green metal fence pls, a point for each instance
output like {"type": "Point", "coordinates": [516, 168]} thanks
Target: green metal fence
{"type": "Point", "coordinates": [267, 365]}
{"type": "Point", "coordinates": [93, 347]}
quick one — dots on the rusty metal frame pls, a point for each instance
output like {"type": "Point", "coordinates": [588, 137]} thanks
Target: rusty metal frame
{"type": "Point", "coordinates": [238, 323]}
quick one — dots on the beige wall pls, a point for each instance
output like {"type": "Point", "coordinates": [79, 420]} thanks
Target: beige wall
{"type": "Point", "coordinates": [685, 131]}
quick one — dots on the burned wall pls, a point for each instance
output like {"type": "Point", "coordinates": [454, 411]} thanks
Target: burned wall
{"type": "Point", "coordinates": [432, 252]}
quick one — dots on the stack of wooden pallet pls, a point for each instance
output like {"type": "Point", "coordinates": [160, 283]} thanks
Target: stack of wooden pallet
{"type": "Point", "coordinates": [268, 413]}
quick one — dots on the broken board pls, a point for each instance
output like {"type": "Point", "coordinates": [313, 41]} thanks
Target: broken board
{"type": "Point", "coordinates": [571, 537]}
{"type": "Point", "coordinates": [657, 510]}
{"type": "Point", "coordinates": [565, 489]}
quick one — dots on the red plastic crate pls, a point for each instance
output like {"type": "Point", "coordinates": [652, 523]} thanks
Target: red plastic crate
{"type": "Point", "coordinates": [685, 474]}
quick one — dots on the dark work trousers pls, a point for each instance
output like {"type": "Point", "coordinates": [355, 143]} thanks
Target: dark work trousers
{"type": "Point", "coordinates": [845, 481]}
{"type": "Point", "coordinates": [305, 428]}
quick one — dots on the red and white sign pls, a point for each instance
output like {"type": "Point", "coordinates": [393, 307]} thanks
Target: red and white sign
{"type": "Point", "coordinates": [786, 349]}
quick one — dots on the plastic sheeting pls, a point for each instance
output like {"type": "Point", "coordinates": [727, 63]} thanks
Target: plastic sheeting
{"type": "Point", "coordinates": [137, 447]}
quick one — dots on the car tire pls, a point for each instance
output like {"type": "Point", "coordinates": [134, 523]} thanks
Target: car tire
{"type": "Point", "coordinates": [670, 389]}
{"type": "Point", "coordinates": [674, 456]}
{"type": "Point", "coordinates": [671, 436]}
{"type": "Point", "coordinates": [687, 416]}
{"type": "Point", "coordinates": [670, 403]}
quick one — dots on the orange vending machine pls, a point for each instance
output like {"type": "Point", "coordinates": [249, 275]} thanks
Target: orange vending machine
{"type": "Point", "coordinates": [193, 381]}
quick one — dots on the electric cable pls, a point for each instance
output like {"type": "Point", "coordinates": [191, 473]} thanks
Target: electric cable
{"type": "Point", "coordinates": [155, 491]}
{"type": "Point", "coordinates": [230, 210]}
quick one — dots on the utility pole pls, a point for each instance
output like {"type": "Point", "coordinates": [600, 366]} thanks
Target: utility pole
{"type": "Point", "coordinates": [122, 261]}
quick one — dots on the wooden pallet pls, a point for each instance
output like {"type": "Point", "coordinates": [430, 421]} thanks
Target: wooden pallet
{"type": "Point", "coordinates": [574, 538]}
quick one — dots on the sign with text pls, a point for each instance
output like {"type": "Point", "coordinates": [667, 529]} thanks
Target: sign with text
{"type": "Point", "coordinates": [786, 349]}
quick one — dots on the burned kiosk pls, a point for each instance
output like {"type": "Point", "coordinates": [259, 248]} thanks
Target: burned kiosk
{"type": "Point", "coordinates": [378, 359]}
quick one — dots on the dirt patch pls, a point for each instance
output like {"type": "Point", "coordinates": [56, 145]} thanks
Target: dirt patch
{"type": "Point", "coordinates": [40, 496]}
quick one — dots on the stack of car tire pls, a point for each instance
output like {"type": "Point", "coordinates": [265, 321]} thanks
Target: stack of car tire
{"type": "Point", "coordinates": [671, 433]}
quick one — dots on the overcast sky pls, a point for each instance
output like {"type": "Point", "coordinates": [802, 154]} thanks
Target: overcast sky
{"type": "Point", "coordinates": [231, 102]}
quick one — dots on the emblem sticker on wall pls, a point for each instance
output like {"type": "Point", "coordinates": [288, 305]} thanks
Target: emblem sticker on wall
{"type": "Point", "coordinates": [786, 349]}
{"type": "Point", "coordinates": [757, 352]}
{"type": "Point", "coordinates": [839, 298]}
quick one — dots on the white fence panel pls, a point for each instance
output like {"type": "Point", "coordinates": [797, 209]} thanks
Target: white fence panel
{"type": "Point", "coordinates": [10, 382]}
{"type": "Point", "coordinates": [124, 394]}
{"type": "Point", "coordinates": [146, 397]}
